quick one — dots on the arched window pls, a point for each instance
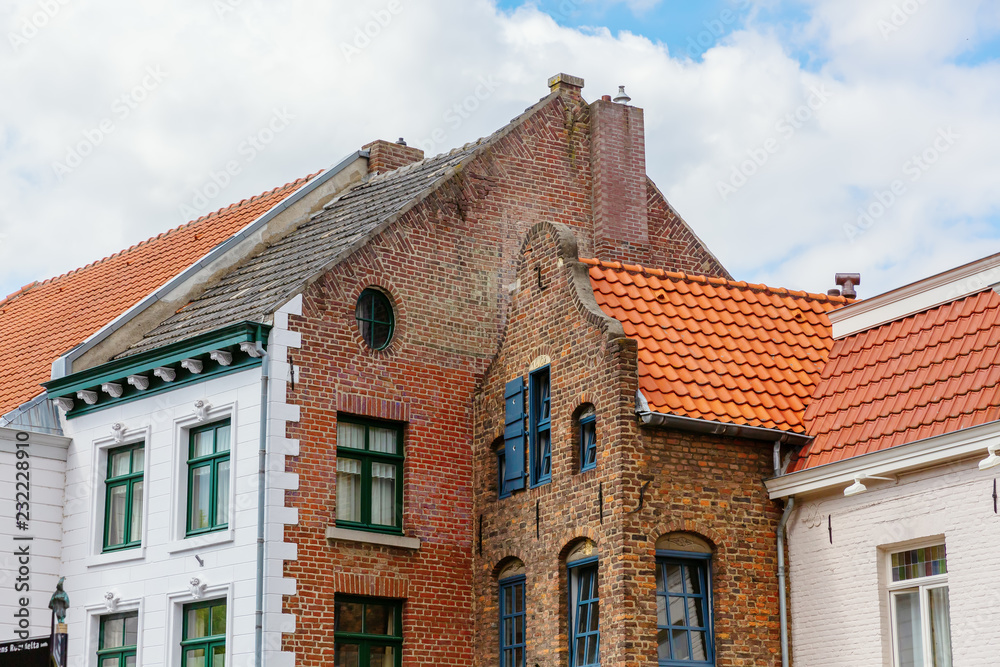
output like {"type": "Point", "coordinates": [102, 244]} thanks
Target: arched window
{"type": "Point", "coordinates": [584, 605]}
{"type": "Point", "coordinates": [375, 318]}
{"type": "Point", "coordinates": [586, 430]}
{"type": "Point", "coordinates": [684, 601]}
{"type": "Point", "coordinates": [512, 615]}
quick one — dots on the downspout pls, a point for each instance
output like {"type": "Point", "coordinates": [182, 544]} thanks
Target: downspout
{"type": "Point", "coordinates": [782, 603]}
{"type": "Point", "coordinates": [261, 501]}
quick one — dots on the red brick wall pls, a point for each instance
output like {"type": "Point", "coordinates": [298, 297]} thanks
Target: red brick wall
{"type": "Point", "coordinates": [385, 156]}
{"type": "Point", "coordinates": [706, 485]}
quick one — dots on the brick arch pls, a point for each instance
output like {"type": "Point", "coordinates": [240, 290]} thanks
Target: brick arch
{"type": "Point", "coordinates": [716, 539]}
{"type": "Point", "coordinates": [503, 562]}
{"type": "Point", "coordinates": [371, 585]}
{"type": "Point", "coordinates": [573, 536]}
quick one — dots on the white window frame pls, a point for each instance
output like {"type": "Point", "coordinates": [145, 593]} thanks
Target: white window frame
{"type": "Point", "coordinates": [93, 624]}
{"type": "Point", "coordinates": [176, 601]}
{"type": "Point", "coordinates": [922, 585]}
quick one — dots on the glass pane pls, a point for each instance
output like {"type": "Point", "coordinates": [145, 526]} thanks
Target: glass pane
{"type": "Point", "coordinates": [384, 494]}
{"type": "Point", "coordinates": [699, 649]}
{"type": "Point", "coordinates": [518, 658]}
{"type": "Point", "coordinates": [222, 493]}
{"type": "Point", "coordinates": [581, 650]}
{"type": "Point", "coordinates": [663, 644]}
{"type": "Point", "coordinates": [218, 656]}
{"type": "Point", "coordinates": [347, 616]}
{"type": "Point", "coordinates": [659, 579]}
{"type": "Point", "coordinates": [661, 611]}
{"type": "Point", "coordinates": [507, 632]}
{"type": "Point", "coordinates": [940, 626]}
{"type": "Point", "coordinates": [117, 497]}
{"type": "Point", "coordinates": [595, 616]}
{"type": "Point", "coordinates": [365, 307]}
{"type": "Point", "coordinates": [120, 463]}
{"type": "Point", "coordinates": [130, 661]}
{"type": "Point", "coordinates": [348, 489]}
{"type": "Point", "coordinates": [202, 444]}
{"type": "Point", "coordinates": [219, 619]}
{"type": "Point", "coordinates": [916, 563]}
{"type": "Point", "coordinates": [380, 309]}
{"type": "Point", "coordinates": [909, 645]}
{"type": "Point", "coordinates": [695, 616]}
{"type": "Point", "coordinates": [137, 459]}
{"type": "Point", "coordinates": [680, 642]}
{"type": "Point", "coordinates": [135, 532]}
{"type": "Point", "coordinates": [350, 435]}
{"type": "Point", "coordinates": [591, 650]}
{"type": "Point", "coordinates": [382, 656]}
{"type": "Point", "coordinates": [109, 662]}
{"type": "Point", "coordinates": [674, 581]}
{"type": "Point", "coordinates": [346, 656]}
{"type": "Point", "coordinates": [200, 497]}
{"type": "Point", "coordinates": [379, 620]}
{"type": "Point", "coordinates": [692, 581]}
{"type": "Point", "coordinates": [198, 623]}
{"type": "Point", "coordinates": [382, 440]}
{"type": "Point", "coordinates": [194, 657]}
{"type": "Point", "coordinates": [518, 630]}
{"type": "Point", "coordinates": [380, 337]}
{"type": "Point", "coordinates": [518, 598]}
{"type": "Point", "coordinates": [677, 611]}
{"type": "Point", "coordinates": [508, 600]}
{"type": "Point", "coordinates": [114, 633]}
{"type": "Point", "coordinates": [222, 439]}
{"type": "Point", "coordinates": [131, 630]}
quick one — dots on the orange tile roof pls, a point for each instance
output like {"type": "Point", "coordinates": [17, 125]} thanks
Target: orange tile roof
{"type": "Point", "coordinates": [914, 378]}
{"type": "Point", "coordinates": [716, 349]}
{"type": "Point", "coordinates": [44, 320]}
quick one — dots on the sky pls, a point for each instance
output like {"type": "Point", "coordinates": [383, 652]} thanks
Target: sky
{"type": "Point", "coordinates": [799, 138]}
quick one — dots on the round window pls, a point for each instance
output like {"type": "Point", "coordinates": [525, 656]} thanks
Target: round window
{"type": "Point", "coordinates": [375, 318]}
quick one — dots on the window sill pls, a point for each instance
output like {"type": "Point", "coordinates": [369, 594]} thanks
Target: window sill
{"type": "Point", "coordinates": [201, 541]}
{"type": "Point", "coordinates": [123, 556]}
{"type": "Point", "coordinates": [368, 537]}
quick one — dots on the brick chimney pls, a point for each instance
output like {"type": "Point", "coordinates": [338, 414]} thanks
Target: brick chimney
{"type": "Point", "coordinates": [618, 168]}
{"type": "Point", "coordinates": [385, 156]}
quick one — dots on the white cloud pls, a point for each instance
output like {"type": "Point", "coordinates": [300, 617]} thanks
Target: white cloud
{"type": "Point", "coordinates": [231, 64]}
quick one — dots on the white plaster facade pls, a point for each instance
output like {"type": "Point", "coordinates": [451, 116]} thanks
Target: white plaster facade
{"type": "Point", "coordinates": [839, 599]}
{"type": "Point", "coordinates": [168, 570]}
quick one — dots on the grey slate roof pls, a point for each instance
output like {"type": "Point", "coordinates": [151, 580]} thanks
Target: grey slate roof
{"type": "Point", "coordinates": [253, 291]}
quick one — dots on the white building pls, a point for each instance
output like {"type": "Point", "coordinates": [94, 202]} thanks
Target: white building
{"type": "Point", "coordinates": [893, 532]}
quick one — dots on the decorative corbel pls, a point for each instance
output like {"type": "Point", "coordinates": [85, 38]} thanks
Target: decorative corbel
{"type": "Point", "coordinates": [250, 349]}
{"type": "Point", "coordinates": [165, 374]}
{"type": "Point", "coordinates": [112, 389]}
{"type": "Point", "coordinates": [224, 358]}
{"type": "Point", "coordinates": [65, 402]}
{"type": "Point", "coordinates": [140, 382]}
{"type": "Point", "coordinates": [192, 365]}
{"type": "Point", "coordinates": [87, 396]}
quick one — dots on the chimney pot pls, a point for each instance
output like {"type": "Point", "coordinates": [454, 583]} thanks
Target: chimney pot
{"type": "Point", "coordinates": [622, 97]}
{"type": "Point", "coordinates": [833, 291]}
{"type": "Point", "coordinates": [566, 83]}
{"type": "Point", "coordinates": [606, 98]}
{"type": "Point", "coordinates": [401, 141]}
{"type": "Point", "coordinates": [848, 281]}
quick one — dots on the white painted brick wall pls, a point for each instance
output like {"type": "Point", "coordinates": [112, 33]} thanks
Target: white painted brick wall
{"type": "Point", "coordinates": [839, 604]}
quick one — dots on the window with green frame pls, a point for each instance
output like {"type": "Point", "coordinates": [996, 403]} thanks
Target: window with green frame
{"type": "Point", "coordinates": [117, 641]}
{"type": "Point", "coordinates": [368, 632]}
{"type": "Point", "coordinates": [123, 497]}
{"type": "Point", "coordinates": [369, 475]}
{"type": "Point", "coordinates": [208, 478]}
{"type": "Point", "coordinates": [204, 640]}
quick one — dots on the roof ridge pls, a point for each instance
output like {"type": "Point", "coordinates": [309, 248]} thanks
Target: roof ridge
{"type": "Point", "coordinates": [214, 214]}
{"type": "Point", "coordinates": [712, 280]}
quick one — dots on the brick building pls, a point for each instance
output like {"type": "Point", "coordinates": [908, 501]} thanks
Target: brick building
{"type": "Point", "coordinates": [457, 411]}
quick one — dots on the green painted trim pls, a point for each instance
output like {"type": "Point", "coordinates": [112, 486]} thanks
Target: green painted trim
{"type": "Point", "coordinates": [365, 641]}
{"type": "Point", "coordinates": [212, 462]}
{"type": "Point", "coordinates": [117, 371]}
{"type": "Point", "coordinates": [207, 642]}
{"type": "Point", "coordinates": [367, 457]}
{"type": "Point", "coordinates": [129, 481]}
{"type": "Point", "coordinates": [119, 652]}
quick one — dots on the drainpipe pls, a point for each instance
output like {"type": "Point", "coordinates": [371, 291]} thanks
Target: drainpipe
{"type": "Point", "coordinates": [261, 501]}
{"type": "Point", "coordinates": [782, 604]}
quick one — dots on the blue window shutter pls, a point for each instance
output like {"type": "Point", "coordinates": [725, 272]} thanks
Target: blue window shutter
{"type": "Point", "coordinates": [513, 433]}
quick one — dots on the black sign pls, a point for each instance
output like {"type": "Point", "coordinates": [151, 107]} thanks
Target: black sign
{"type": "Point", "coordinates": [26, 653]}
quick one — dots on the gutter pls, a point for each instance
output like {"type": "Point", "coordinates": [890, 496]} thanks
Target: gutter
{"type": "Point", "coordinates": [782, 603]}
{"type": "Point", "coordinates": [261, 500]}
{"type": "Point", "coordinates": [649, 418]}
{"type": "Point", "coordinates": [63, 365]}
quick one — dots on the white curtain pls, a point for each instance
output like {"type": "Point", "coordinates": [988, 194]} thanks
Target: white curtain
{"type": "Point", "coordinates": [909, 642]}
{"type": "Point", "coordinates": [384, 494]}
{"type": "Point", "coordinates": [348, 489]}
{"type": "Point", "coordinates": [940, 626]}
{"type": "Point", "coordinates": [382, 440]}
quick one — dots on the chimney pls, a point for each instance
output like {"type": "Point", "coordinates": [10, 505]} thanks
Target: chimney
{"type": "Point", "coordinates": [566, 85]}
{"type": "Point", "coordinates": [385, 156]}
{"type": "Point", "coordinates": [847, 281]}
{"type": "Point", "coordinates": [618, 169]}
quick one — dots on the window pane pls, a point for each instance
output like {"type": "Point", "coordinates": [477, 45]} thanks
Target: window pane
{"type": "Point", "coordinates": [384, 494]}
{"type": "Point", "coordinates": [120, 463]}
{"type": "Point", "coordinates": [109, 662]}
{"type": "Point", "coordinates": [198, 620]}
{"type": "Point", "coordinates": [940, 626]}
{"type": "Point", "coordinates": [222, 493]}
{"type": "Point", "coordinates": [347, 616]}
{"type": "Point", "coordinates": [114, 633]}
{"type": "Point", "coordinates": [916, 563]}
{"type": "Point", "coordinates": [695, 616]}
{"type": "Point", "coordinates": [661, 611]}
{"type": "Point", "coordinates": [131, 630]}
{"type": "Point", "coordinates": [348, 489]}
{"type": "Point", "coordinates": [380, 309]}
{"type": "Point", "coordinates": [135, 531]}
{"type": "Point", "coordinates": [218, 656]}
{"type": "Point", "coordinates": [130, 661]}
{"type": "Point", "coordinates": [200, 497]}
{"type": "Point", "coordinates": [382, 656]}
{"type": "Point", "coordinates": [680, 642]}
{"type": "Point", "coordinates": [692, 582]}
{"type": "Point", "coordinates": [219, 619]}
{"type": "Point", "coordinates": [518, 598]}
{"type": "Point", "coordinates": [379, 620]}
{"type": "Point", "coordinates": [699, 649]}
{"type": "Point", "coordinates": [202, 444]}
{"type": "Point", "coordinates": [137, 459]}
{"type": "Point", "coordinates": [350, 435]}
{"type": "Point", "coordinates": [346, 656]}
{"type": "Point", "coordinates": [117, 505]}
{"type": "Point", "coordinates": [222, 439]}
{"type": "Point", "coordinates": [909, 645]}
{"type": "Point", "coordinates": [663, 644]}
{"type": "Point", "coordinates": [677, 611]}
{"type": "Point", "coordinates": [194, 657]}
{"type": "Point", "coordinates": [674, 581]}
{"type": "Point", "coordinates": [380, 336]}
{"type": "Point", "coordinates": [382, 440]}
